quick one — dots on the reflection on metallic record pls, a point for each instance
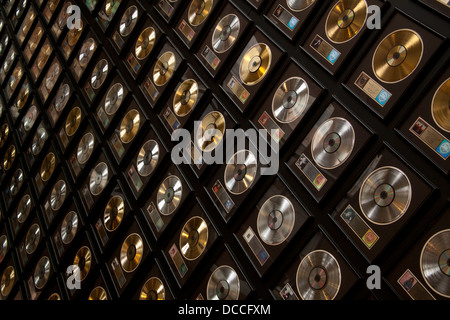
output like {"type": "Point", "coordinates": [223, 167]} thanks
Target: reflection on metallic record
{"type": "Point", "coordinates": [86, 52]}
{"type": "Point", "coordinates": [385, 195]}
{"type": "Point", "coordinates": [199, 11]}
{"type": "Point", "coordinates": [43, 56]}
{"type": "Point", "coordinates": [114, 98]}
{"type": "Point", "coordinates": [9, 157]}
{"type": "Point", "coordinates": [74, 34]}
{"type": "Point", "coordinates": [276, 220]}
{"type": "Point", "coordinates": [435, 263]}
{"type": "Point", "coordinates": [131, 252]}
{"type": "Point", "coordinates": [145, 43]}
{"type": "Point", "coordinates": [54, 296]}
{"type": "Point", "coordinates": [16, 182]}
{"type": "Point", "coordinates": [397, 55]}
{"type": "Point", "coordinates": [299, 5]}
{"type": "Point", "coordinates": [69, 227]}
{"type": "Point", "coordinates": [23, 97]}
{"type": "Point", "coordinates": [290, 100]}
{"type": "Point", "coordinates": [62, 96]}
{"type": "Point", "coordinates": [226, 33]}
{"type": "Point", "coordinates": [52, 75]}
{"type": "Point", "coordinates": [240, 172]}
{"type": "Point", "coordinates": [113, 214]}
{"type": "Point", "coordinates": [52, 4]}
{"type": "Point", "coordinates": [169, 195]}
{"type": "Point", "coordinates": [85, 148]}
{"type": "Point", "coordinates": [345, 20]}
{"type": "Point", "coordinates": [99, 74]}
{"type": "Point", "coordinates": [30, 118]}
{"type": "Point", "coordinates": [63, 15]}
{"type": "Point", "coordinates": [4, 133]}
{"type": "Point", "coordinates": [185, 97]}
{"type": "Point", "coordinates": [318, 276]}
{"type": "Point", "coordinates": [223, 284]}
{"type": "Point", "coordinates": [32, 239]}
{"type": "Point", "coordinates": [333, 143]}
{"type": "Point", "coordinates": [34, 39]}
{"type": "Point", "coordinates": [147, 158]}
{"type": "Point", "coordinates": [255, 64]}
{"type": "Point", "coordinates": [128, 21]}
{"type": "Point", "coordinates": [98, 179]}
{"type": "Point", "coordinates": [48, 166]}
{"type": "Point", "coordinates": [164, 68]}
{"type": "Point", "coordinates": [73, 121]}
{"type": "Point", "coordinates": [211, 131]}
{"type": "Point", "coordinates": [129, 126]}
{"type": "Point", "coordinates": [7, 281]}
{"type": "Point", "coordinates": [38, 140]}
{"type": "Point", "coordinates": [3, 246]}
{"type": "Point", "coordinates": [23, 208]}
{"type": "Point", "coordinates": [21, 8]}
{"type": "Point", "coordinates": [98, 293]}
{"type": "Point", "coordinates": [42, 272]}
{"type": "Point", "coordinates": [440, 108]}
{"type": "Point", "coordinates": [83, 260]}
{"type": "Point", "coordinates": [58, 195]}
{"type": "Point", "coordinates": [153, 289]}
{"type": "Point", "coordinates": [193, 238]}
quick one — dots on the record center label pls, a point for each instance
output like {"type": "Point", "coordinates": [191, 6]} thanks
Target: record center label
{"type": "Point", "coordinates": [256, 246]}
{"type": "Point", "coordinates": [178, 260]}
{"type": "Point", "coordinates": [413, 287]}
{"type": "Point", "coordinates": [374, 90]}
{"type": "Point", "coordinates": [313, 174]}
{"type": "Point", "coordinates": [359, 227]}
{"type": "Point", "coordinates": [431, 137]}
{"type": "Point", "coordinates": [285, 17]}
{"type": "Point", "coordinates": [325, 49]}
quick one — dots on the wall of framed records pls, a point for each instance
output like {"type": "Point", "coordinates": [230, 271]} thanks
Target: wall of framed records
{"type": "Point", "coordinates": [362, 117]}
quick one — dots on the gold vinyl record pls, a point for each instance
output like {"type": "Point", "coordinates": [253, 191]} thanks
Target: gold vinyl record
{"type": "Point", "coordinates": [62, 96]}
{"type": "Point", "coordinates": [23, 208]}
{"type": "Point", "coordinates": [69, 227]}
{"type": "Point", "coordinates": [9, 157]}
{"type": "Point", "coordinates": [7, 282]}
{"type": "Point", "coordinates": [397, 55]}
{"type": "Point", "coordinates": [346, 20]}
{"type": "Point", "coordinates": [435, 263]}
{"type": "Point", "coordinates": [48, 166]}
{"type": "Point", "coordinates": [52, 75]}
{"type": "Point", "coordinates": [4, 133]}
{"type": "Point", "coordinates": [129, 126]}
{"type": "Point", "coordinates": [9, 61]}
{"type": "Point", "coordinates": [113, 213]}
{"type": "Point", "coordinates": [38, 141]}
{"type": "Point", "coordinates": [240, 172]}
{"type": "Point", "coordinates": [223, 284]}
{"type": "Point", "coordinates": [34, 39]}
{"type": "Point", "coordinates": [86, 52]}
{"type": "Point", "coordinates": [440, 108]}
{"type": "Point", "coordinates": [147, 158]}
{"type": "Point", "coordinates": [16, 182]}
{"type": "Point", "coordinates": [43, 56]}
{"type": "Point", "coordinates": [13, 81]}
{"type": "Point", "coordinates": [169, 195]}
{"type": "Point", "coordinates": [23, 97]}
{"type": "Point", "coordinates": [131, 252]}
{"type": "Point", "coordinates": [199, 11]}
{"type": "Point", "coordinates": [299, 5]}
{"type": "Point", "coordinates": [58, 195]}
{"type": "Point", "coordinates": [73, 121]}
{"type": "Point", "coordinates": [164, 68]}
{"type": "Point", "coordinates": [99, 74]}
{"type": "Point", "coordinates": [54, 296]}
{"type": "Point", "coordinates": [3, 246]}
{"type": "Point", "coordinates": [98, 178]}
{"type": "Point", "coordinates": [42, 273]}
{"type": "Point", "coordinates": [211, 131]}
{"type": "Point", "coordinates": [255, 64]}
{"type": "Point", "coordinates": [61, 21]}
{"type": "Point", "coordinates": [193, 238]}
{"type": "Point", "coordinates": [290, 100]}
{"type": "Point", "coordinates": [114, 98]}
{"type": "Point", "coordinates": [98, 293]}
{"type": "Point", "coordinates": [318, 276]}
{"type": "Point", "coordinates": [153, 289]}
{"type": "Point", "coordinates": [145, 43]}
{"type": "Point", "coordinates": [226, 33]}
{"type": "Point", "coordinates": [83, 260]}
{"type": "Point", "coordinates": [32, 238]}
{"type": "Point", "coordinates": [128, 21]}
{"type": "Point", "coordinates": [52, 4]}
{"type": "Point", "coordinates": [85, 148]}
{"type": "Point", "coordinates": [185, 98]}
{"type": "Point", "coordinates": [385, 195]}
{"type": "Point", "coordinates": [29, 118]}
{"type": "Point", "coordinates": [74, 34]}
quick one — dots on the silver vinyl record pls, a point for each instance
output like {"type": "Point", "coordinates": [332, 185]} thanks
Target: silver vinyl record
{"type": "Point", "coordinates": [58, 195]}
{"type": "Point", "coordinates": [290, 100]}
{"type": "Point", "coordinates": [52, 73]}
{"type": "Point", "coordinates": [86, 52]}
{"type": "Point", "coordinates": [128, 21]}
{"type": "Point", "coordinates": [226, 33]}
{"type": "Point", "coordinates": [85, 148]}
{"type": "Point", "coordinates": [30, 118]}
{"type": "Point", "coordinates": [276, 220]}
{"type": "Point", "coordinates": [23, 208]}
{"type": "Point", "coordinates": [385, 195]}
{"type": "Point", "coordinates": [147, 158]}
{"type": "Point", "coordinates": [240, 172]}
{"type": "Point", "coordinates": [318, 276]}
{"type": "Point", "coordinates": [223, 284]}
{"type": "Point", "coordinates": [299, 5]}
{"type": "Point", "coordinates": [62, 96]}
{"type": "Point", "coordinates": [114, 98]}
{"type": "Point", "coordinates": [333, 143]}
{"type": "Point", "coordinates": [169, 195]}
{"type": "Point", "coordinates": [42, 272]}
{"type": "Point", "coordinates": [32, 238]}
{"type": "Point", "coordinates": [98, 179]}
{"type": "Point", "coordinates": [435, 263]}
{"type": "Point", "coordinates": [3, 246]}
{"type": "Point", "coordinates": [38, 141]}
{"type": "Point", "coordinates": [99, 74]}
{"type": "Point", "coordinates": [69, 227]}
{"type": "Point", "coordinates": [16, 182]}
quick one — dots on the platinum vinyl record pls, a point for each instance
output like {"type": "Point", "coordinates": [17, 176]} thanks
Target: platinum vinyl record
{"type": "Point", "coordinates": [130, 126]}
{"type": "Point", "coordinates": [38, 141]}
{"type": "Point", "coordinates": [35, 38]}
{"type": "Point", "coordinates": [58, 195]}
{"type": "Point", "coordinates": [128, 21]}
{"type": "Point", "coordinates": [16, 182]}
{"type": "Point", "coordinates": [255, 64]}
{"type": "Point", "coordinates": [332, 143]}
{"type": "Point", "coordinates": [385, 195]}
{"type": "Point", "coordinates": [131, 252]}
{"type": "Point", "coordinates": [32, 238]}
{"type": "Point", "coordinates": [30, 118]}
{"type": "Point", "coordinates": [164, 68]}
{"type": "Point", "coordinates": [20, 8]}
{"type": "Point", "coordinates": [7, 281]}
{"type": "Point", "coordinates": [69, 227]}
{"type": "Point", "coordinates": [147, 158]}
{"type": "Point", "coordinates": [226, 33]}
{"type": "Point", "coordinates": [318, 276]}
{"type": "Point", "coordinates": [185, 97]}
{"type": "Point", "coordinates": [42, 272]}
{"type": "Point", "coordinates": [83, 259]}
{"type": "Point", "coordinates": [62, 96]}
{"type": "Point", "coordinates": [52, 75]}
{"type": "Point", "coordinates": [9, 61]}
{"type": "Point", "coordinates": [113, 213]}
{"type": "Point", "coordinates": [48, 166]}
{"type": "Point", "coordinates": [98, 178]}
{"type": "Point", "coordinates": [23, 208]}
{"type": "Point", "coordinates": [223, 284]}
{"type": "Point", "coordinates": [99, 74]}
{"type": "Point", "coordinates": [3, 247]}
{"type": "Point", "coordinates": [86, 52]}
{"type": "Point", "coordinates": [198, 11]}
{"type": "Point", "coordinates": [290, 100]}
{"type": "Point", "coordinates": [211, 131]}
{"type": "Point", "coordinates": [193, 238]}
{"type": "Point", "coordinates": [435, 263]}
{"type": "Point", "coordinates": [145, 43]}
{"type": "Point", "coordinates": [114, 98]}
{"type": "Point", "coordinates": [169, 195]}
{"type": "Point", "coordinates": [276, 220]}
{"type": "Point", "coordinates": [85, 148]}
{"type": "Point", "coordinates": [240, 172]}
{"type": "Point", "coordinates": [153, 289]}
{"type": "Point", "coordinates": [345, 20]}
{"type": "Point", "coordinates": [299, 5]}
{"type": "Point", "coordinates": [98, 293]}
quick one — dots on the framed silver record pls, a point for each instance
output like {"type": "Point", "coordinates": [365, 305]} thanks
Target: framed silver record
{"type": "Point", "coordinates": [223, 284]}
{"type": "Point", "coordinates": [169, 195]}
{"type": "Point", "coordinates": [240, 172]}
